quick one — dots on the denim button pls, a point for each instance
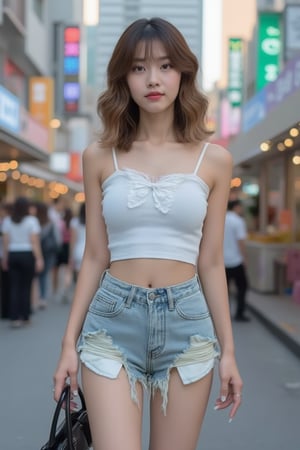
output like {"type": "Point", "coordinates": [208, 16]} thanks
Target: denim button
{"type": "Point", "coordinates": [151, 296]}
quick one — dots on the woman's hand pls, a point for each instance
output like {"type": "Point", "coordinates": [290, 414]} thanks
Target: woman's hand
{"type": "Point", "coordinates": [231, 386]}
{"type": "Point", "coordinates": [67, 368]}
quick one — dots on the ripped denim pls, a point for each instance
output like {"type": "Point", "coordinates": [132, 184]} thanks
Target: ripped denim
{"type": "Point", "coordinates": [148, 332]}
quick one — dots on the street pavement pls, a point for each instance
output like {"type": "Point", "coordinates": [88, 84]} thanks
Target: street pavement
{"type": "Point", "coordinates": [267, 420]}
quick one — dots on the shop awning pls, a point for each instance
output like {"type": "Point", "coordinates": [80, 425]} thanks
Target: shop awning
{"type": "Point", "coordinates": [246, 145]}
{"type": "Point", "coordinates": [44, 173]}
{"type": "Point", "coordinates": [12, 147]}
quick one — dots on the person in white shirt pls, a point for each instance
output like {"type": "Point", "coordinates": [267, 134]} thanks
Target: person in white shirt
{"type": "Point", "coordinates": [22, 257]}
{"type": "Point", "coordinates": [235, 234]}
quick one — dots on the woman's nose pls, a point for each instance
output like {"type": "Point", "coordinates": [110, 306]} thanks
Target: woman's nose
{"type": "Point", "coordinates": [152, 83]}
{"type": "Point", "coordinates": [153, 79]}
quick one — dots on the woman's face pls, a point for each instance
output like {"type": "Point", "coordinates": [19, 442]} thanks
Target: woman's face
{"type": "Point", "coordinates": [153, 81]}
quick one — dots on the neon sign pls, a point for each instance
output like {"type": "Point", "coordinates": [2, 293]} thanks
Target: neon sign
{"type": "Point", "coordinates": [71, 69]}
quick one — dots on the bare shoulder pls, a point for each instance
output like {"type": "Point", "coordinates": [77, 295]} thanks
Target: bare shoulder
{"type": "Point", "coordinates": [93, 151]}
{"type": "Point", "coordinates": [218, 165]}
{"type": "Point", "coordinates": [219, 155]}
{"type": "Point", "coordinates": [98, 159]}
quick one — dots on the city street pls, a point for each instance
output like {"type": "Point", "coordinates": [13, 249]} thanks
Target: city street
{"type": "Point", "coordinates": [267, 420]}
{"type": "Point", "coordinates": [135, 108]}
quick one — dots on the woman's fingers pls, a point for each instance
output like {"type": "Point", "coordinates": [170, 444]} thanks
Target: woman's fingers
{"type": "Point", "coordinates": [66, 371]}
{"type": "Point", "coordinates": [236, 402]}
{"type": "Point", "coordinates": [59, 382]}
{"type": "Point", "coordinates": [74, 384]}
{"type": "Point", "coordinates": [234, 398]}
{"type": "Point", "coordinates": [224, 391]}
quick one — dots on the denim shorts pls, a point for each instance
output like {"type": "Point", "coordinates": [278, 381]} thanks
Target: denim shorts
{"type": "Point", "coordinates": [148, 331]}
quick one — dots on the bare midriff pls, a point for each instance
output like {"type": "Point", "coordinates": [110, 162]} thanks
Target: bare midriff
{"type": "Point", "coordinates": [152, 273]}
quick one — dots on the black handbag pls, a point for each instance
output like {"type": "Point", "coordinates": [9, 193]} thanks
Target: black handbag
{"type": "Point", "coordinates": [74, 431]}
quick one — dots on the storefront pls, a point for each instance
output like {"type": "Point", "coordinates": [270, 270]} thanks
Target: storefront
{"type": "Point", "coordinates": [21, 139]}
{"type": "Point", "coordinates": [24, 155]}
{"type": "Point", "coordinates": [267, 160]}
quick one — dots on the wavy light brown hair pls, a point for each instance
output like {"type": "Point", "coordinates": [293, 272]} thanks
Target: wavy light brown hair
{"type": "Point", "coordinates": [117, 110]}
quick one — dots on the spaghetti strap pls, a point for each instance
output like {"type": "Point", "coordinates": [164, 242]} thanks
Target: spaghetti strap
{"type": "Point", "coordinates": [201, 157]}
{"type": "Point", "coordinates": [115, 159]}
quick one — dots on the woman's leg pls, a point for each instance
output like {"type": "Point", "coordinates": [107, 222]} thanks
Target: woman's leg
{"type": "Point", "coordinates": [179, 429]}
{"type": "Point", "coordinates": [44, 280]}
{"type": "Point", "coordinates": [115, 419]}
{"type": "Point", "coordinates": [42, 276]}
{"type": "Point", "coordinates": [4, 294]}
{"type": "Point", "coordinates": [34, 295]}
{"type": "Point", "coordinates": [14, 282]}
{"type": "Point", "coordinates": [26, 283]}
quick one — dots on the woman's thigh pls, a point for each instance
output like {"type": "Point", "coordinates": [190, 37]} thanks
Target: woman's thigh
{"type": "Point", "coordinates": [179, 428]}
{"type": "Point", "coordinates": [115, 419]}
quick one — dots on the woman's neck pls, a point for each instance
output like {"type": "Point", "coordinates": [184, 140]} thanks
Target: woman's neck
{"type": "Point", "coordinates": [156, 128]}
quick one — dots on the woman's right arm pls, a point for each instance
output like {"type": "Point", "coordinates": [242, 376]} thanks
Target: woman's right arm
{"type": "Point", "coordinates": [95, 261]}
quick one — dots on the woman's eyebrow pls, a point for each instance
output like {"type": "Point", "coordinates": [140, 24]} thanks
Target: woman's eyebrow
{"type": "Point", "coordinates": [160, 58]}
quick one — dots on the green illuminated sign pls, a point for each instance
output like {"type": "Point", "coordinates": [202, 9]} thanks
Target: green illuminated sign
{"type": "Point", "coordinates": [269, 48]}
{"type": "Point", "coordinates": [235, 72]}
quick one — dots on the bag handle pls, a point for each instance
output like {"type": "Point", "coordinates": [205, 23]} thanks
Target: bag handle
{"type": "Point", "coordinates": [65, 397]}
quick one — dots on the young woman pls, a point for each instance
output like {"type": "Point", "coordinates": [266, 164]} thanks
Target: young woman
{"type": "Point", "coordinates": [156, 196]}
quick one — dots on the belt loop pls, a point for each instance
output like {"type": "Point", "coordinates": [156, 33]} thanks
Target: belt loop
{"type": "Point", "coordinates": [170, 299]}
{"type": "Point", "coordinates": [129, 299]}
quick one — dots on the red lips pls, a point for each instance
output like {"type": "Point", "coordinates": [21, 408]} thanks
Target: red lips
{"type": "Point", "coordinates": [155, 95]}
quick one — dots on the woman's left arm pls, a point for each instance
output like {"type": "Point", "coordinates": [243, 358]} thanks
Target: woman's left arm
{"type": "Point", "coordinates": [212, 275]}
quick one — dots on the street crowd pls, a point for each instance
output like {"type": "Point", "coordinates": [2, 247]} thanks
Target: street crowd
{"type": "Point", "coordinates": [41, 247]}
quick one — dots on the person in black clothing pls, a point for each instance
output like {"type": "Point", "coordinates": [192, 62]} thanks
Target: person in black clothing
{"type": "Point", "coordinates": [235, 235]}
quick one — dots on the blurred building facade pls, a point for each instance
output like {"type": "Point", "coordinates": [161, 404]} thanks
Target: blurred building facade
{"type": "Point", "coordinates": [34, 127]}
{"type": "Point", "coordinates": [257, 117]}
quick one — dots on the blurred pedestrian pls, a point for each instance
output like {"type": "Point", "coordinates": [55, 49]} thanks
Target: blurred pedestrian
{"type": "Point", "coordinates": [235, 235]}
{"type": "Point", "coordinates": [50, 243]}
{"type": "Point", "coordinates": [22, 257]}
{"type": "Point", "coordinates": [5, 211]}
{"type": "Point", "coordinates": [34, 296]}
{"type": "Point", "coordinates": [56, 211]}
{"type": "Point", "coordinates": [63, 275]}
{"type": "Point", "coordinates": [77, 242]}
{"type": "Point", "coordinates": [156, 193]}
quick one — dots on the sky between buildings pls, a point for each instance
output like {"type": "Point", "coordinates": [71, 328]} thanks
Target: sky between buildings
{"type": "Point", "coordinates": [211, 59]}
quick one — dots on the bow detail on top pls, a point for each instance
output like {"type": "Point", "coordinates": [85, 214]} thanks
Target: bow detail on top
{"type": "Point", "coordinates": [162, 190]}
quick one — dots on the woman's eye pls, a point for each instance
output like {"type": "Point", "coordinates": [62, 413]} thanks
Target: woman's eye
{"type": "Point", "coordinates": [166, 66]}
{"type": "Point", "coordinates": [138, 68]}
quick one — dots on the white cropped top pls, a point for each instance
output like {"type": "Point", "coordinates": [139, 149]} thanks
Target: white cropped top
{"type": "Point", "coordinates": [161, 218]}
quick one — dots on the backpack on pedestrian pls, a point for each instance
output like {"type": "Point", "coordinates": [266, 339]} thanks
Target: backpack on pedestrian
{"type": "Point", "coordinates": [49, 243]}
